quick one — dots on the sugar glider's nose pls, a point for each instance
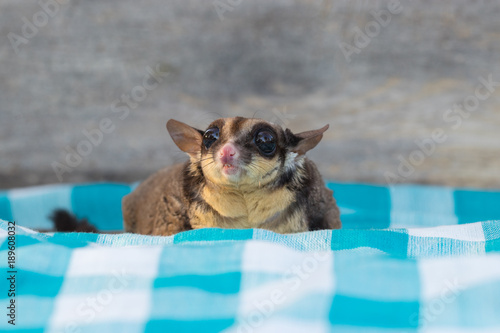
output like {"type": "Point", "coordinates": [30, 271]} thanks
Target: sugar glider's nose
{"type": "Point", "coordinates": [228, 153]}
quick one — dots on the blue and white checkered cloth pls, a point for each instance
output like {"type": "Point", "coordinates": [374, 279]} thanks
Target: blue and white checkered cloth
{"type": "Point", "coordinates": [408, 259]}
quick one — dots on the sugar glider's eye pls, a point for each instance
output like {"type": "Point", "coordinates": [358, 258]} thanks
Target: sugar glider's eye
{"type": "Point", "coordinates": [266, 142]}
{"type": "Point", "coordinates": [211, 135]}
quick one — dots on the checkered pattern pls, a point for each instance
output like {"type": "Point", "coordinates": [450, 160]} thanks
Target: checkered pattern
{"type": "Point", "coordinates": [409, 259]}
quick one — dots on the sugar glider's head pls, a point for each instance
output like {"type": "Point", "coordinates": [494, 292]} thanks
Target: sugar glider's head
{"type": "Point", "coordinates": [242, 151]}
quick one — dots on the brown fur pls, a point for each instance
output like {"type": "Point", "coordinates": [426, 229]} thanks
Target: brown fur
{"type": "Point", "coordinates": [283, 192]}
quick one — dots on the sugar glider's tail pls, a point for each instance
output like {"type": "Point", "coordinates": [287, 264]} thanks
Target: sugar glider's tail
{"type": "Point", "coordinates": [64, 221]}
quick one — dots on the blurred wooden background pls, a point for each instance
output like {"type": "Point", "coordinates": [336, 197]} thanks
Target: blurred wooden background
{"type": "Point", "coordinates": [385, 75]}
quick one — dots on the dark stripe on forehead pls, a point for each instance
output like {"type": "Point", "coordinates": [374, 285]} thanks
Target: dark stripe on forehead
{"type": "Point", "coordinates": [237, 125]}
{"type": "Point", "coordinates": [230, 128]}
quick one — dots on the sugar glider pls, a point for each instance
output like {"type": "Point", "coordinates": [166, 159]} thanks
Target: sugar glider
{"type": "Point", "coordinates": [241, 173]}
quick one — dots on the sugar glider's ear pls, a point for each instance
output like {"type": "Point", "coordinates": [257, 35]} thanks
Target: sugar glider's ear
{"type": "Point", "coordinates": [301, 143]}
{"type": "Point", "coordinates": [187, 138]}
